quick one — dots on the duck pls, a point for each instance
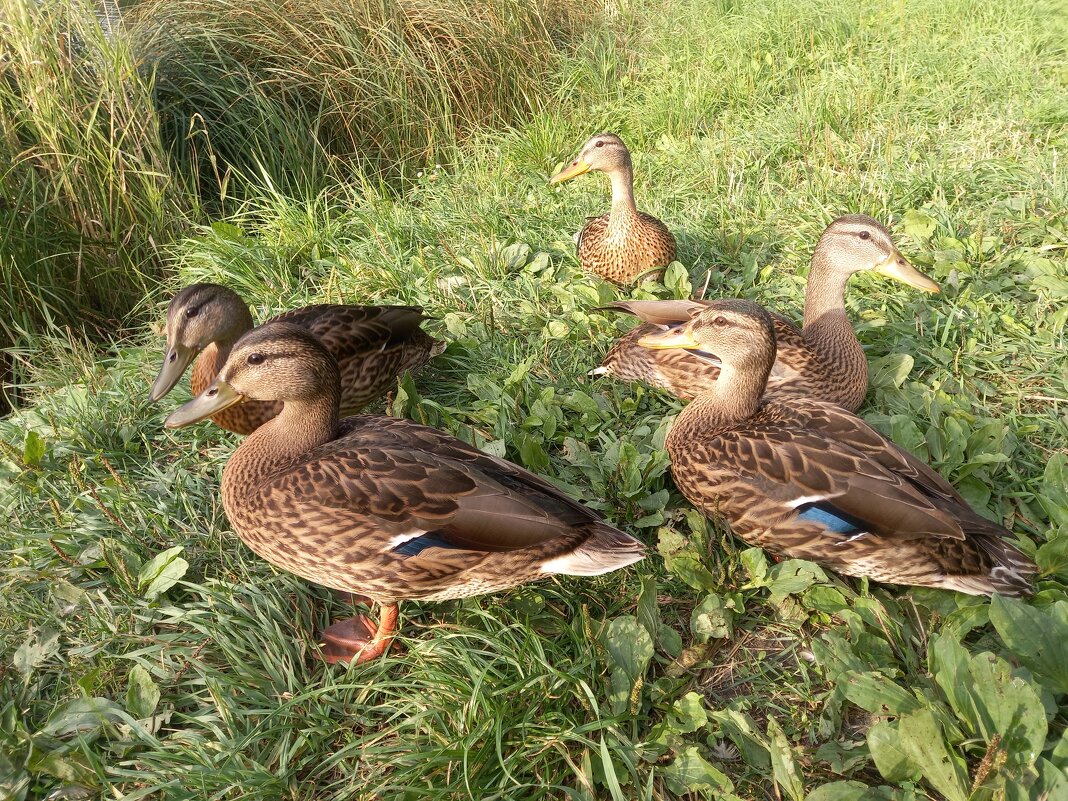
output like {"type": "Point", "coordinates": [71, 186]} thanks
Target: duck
{"type": "Point", "coordinates": [379, 506]}
{"type": "Point", "coordinates": [626, 243]}
{"type": "Point", "coordinates": [373, 345]}
{"type": "Point", "coordinates": [823, 359]}
{"type": "Point", "coordinates": [807, 479]}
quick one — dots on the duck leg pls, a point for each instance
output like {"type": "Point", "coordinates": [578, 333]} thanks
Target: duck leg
{"type": "Point", "coordinates": [357, 639]}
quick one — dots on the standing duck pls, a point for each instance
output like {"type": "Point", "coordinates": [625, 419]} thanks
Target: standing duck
{"type": "Point", "coordinates": [373, 346]}
{"type": "Point", "coordinates": [381, 506]}
{"type": "Point", "coordinates": [822, 360]}
{"type": "Point", "coordinates": [625, 243]}
{"type": "Point", "coordinates": [807, 479]}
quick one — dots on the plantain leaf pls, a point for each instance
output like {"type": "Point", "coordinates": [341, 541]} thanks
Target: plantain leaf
{"type": "Point", "coordinates": [783, 766]}
{"type": "Point", "coordinates": [1039, 637]}
{"type": "Point", "coordinates": [691, 773]}
{"type": "Point", "coordinates": [142, 694]}
{"type": "Point", "coordinates": [923, 742]}
{"type": "Point", "coordinates": [884, 745]}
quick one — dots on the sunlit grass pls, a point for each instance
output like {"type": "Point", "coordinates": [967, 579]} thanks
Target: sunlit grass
{"type": "Point", "coordinates": [752, 125]}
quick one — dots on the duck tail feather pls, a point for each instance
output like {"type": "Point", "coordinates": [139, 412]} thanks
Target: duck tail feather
{"type": "Point", "coordinates": [605, 550]}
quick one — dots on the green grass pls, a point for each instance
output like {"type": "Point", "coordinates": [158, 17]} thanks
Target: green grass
{"type": "Point", "coordinates": [704, 671]}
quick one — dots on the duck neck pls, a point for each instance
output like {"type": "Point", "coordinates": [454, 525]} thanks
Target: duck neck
{"type": "Point", "coordinates": [623, 205]}
{"type": "Point", "coordinates": [734, 398]}
{"type": "Point", "coordinates": [827, 326]}
{"type": "Point", "coordinates": [300, 427]}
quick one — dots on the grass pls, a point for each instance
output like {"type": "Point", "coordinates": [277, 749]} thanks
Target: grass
{"type": "Point", "coordinates": [704, 671]}
{"type": "Point", "coordinates": [87, 197]}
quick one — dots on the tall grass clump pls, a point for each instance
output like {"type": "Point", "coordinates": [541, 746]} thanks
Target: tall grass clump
{"type": "Point", "coordinates": [86, 193]}
{"type": "Point", "coordinates": [301, 91]}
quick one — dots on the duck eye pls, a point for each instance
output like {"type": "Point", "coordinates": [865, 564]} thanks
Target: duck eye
{"type": "Point", "coordinates": [864, 235]}
{"type": "Point", "coordinates": [720, 321]}
{"type": "Point", "coordinates": [256, 358]}
{"type": "Point", "coordinates": [191, 311]}
{"type": "Point", "coordinates": [600, 143]}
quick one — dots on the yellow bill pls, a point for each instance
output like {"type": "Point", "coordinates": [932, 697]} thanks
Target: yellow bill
{"type": "Point", "coordinates": [215, 398]}
{"type": "Point", "coordinates": [674, 338]}
{"type": "Point", "coordinates": [898, 268]}
{"type": "Point", "coordinates": [576, 168]}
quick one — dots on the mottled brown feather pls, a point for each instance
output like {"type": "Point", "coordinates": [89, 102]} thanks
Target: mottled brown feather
{"type": "Point", "coordinates": [761, 469]}
{"type": "Point", "coordinates": [373, 345]}
{"type": "Point", "coordinates": [620, 250]}
{"type": "Point", "coordinates": [333, 500]}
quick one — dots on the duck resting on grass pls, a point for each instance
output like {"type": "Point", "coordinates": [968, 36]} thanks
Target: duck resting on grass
{"type": "Point", "coordinates": [625, 243]}
{"type": "Point", "coordinates": [822, 360]}
{"type": "Point", "coordinates": [807, 479]}
{"type": "Point", "coordinates": [380, 506]}
{"type": "Point", "coordinates": [373, 346]}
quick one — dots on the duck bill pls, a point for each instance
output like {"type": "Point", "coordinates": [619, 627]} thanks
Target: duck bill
{"type": "Point", "coordinates": [672, 339]}
{"type": "Point", "coordinates": [175, 360]}
{"type": "Point", "coordinates": [576, 168]}
{"type": "Point", "coordinates": [898, 268]}
{"type": "Point", "coordinates": [214, 399]}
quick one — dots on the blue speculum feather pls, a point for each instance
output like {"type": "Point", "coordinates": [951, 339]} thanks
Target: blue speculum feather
{"type": "Point", "coordinates": [832, 519]}
{"type": "Point", "coordinates": [417, 545]}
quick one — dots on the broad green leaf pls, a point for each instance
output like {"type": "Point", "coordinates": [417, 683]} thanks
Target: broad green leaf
{"type": "Point", "coordinates": [691, 773]}
{"type": "Point", "coordinates": [839, 791]}
{"type": "Point", "coordinates": [38, 648]}
{"type": "Point", "coordinates": [1052, 784]}
{"type": "Point", "coordinates": [69, 767]}
{"type": "Point", "coordinates": [712, 618]}
{"type": "Point", "coordinates": [884, 745]}
{"type": "Point", "coordinates": [162, 572]}
{"type": "Point", "coordinates": [1037, 636]}
{"type": "Point", "coordinates": [1059, 755]}
{"type": "Point", "coordinates": [690, 570]}
{"type": "Point", "coordinates": [824, 599]}
{"type": "Point", "coordinates": [923, 741]}
{"type": "Point", "coordinates": [687, 714]}
{"type": "Point", "coordinates": [225, 230]}
{"type": "Point", "coordinates": [33, 450]}
{"type": "Point", "coordinates": [792, 576]}
{"type": "Point", "coordinates": [1054, 494]}
{"type": "Point", "coordinates": [677, 279]}
{"type": "Point", "coordinates": [891, 371]}
{"type": "Point", "coordinates": [877, 694]}
{"type": "Point", "coordinates": [917, 224]}
{"type": "Point", "coordinates": [142, 694]}
{"type": "Point", "coordinates": [740, 729]}
{"type": "Point", "coordinates": [783, 766]}
{"type": "Point", "coordinates": [1052, 557]}
{"type": "Point", "coordinates": [629, 646]}
{"type": "Point", "coordinates": [82, 716]}
{"type": "Point", "coordinates": [984, 693]}
{"type": "Point", "coordinates": [649, 607]}
{"type": "Point", "coordinates": [755, 563]}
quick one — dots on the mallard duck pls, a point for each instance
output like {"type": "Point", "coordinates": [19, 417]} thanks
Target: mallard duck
{"type": "Point", "coordinates": [372, 344]}
{"type": "Point", "coordinates": [380, 506]}
{"type": "Point", "coordinates": [807, 479]}
{"type": "Point", "coordinates": [822, 360]}
{"type": "Point", "coordinates": [625, 243]}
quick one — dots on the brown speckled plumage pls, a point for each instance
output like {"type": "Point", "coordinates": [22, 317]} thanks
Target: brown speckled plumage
{"type": "Point", "coordinates": [386, 507]}
{"type": "Point", "coordinates": [373, 346]}
{"type": "Point", "coordinates": [823, 360]}
{"type": "Point", "coordinates": [623, 248]}
{"type": "Point", "coordinates": [625, 243]}
{"type": "Point", "coordinates": [807, 479]}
